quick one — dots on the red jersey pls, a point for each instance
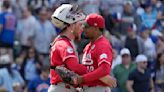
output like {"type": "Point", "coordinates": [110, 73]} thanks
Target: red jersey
{"type": "Point", "coordinates": [61, 50]}
{"type": "Point", "coordinates": [96, 53]}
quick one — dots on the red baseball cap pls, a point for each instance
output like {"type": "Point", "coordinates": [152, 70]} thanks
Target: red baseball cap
{"type": "Point", "coordinates": [95, 20]}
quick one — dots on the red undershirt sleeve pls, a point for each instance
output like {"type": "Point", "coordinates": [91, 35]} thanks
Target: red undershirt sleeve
{"type": "Point", "coordinates": [72, 64]}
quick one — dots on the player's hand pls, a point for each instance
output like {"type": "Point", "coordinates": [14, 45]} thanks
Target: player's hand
{"type": "Point", "coordinates": [113, 82]}
{"type": "Point", "coordinates": [109, 80]}
{"type": "Point", "coordinates": [77, 80]}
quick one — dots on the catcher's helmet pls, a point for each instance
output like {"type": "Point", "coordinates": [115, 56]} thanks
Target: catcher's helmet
{"type": "Point", "coordinates": [66, 14]}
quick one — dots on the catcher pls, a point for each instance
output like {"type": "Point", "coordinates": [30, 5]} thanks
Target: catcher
{"type": "Point", "coordinates": [67, 18]}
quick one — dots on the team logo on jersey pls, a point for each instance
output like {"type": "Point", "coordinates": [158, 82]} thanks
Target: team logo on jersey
{"type": "Point", "coordinates": [70, 50]}
{"type": "Point", "coordinates": [87, 60]}
{"type": "Point", "coordinates": [104, 55]}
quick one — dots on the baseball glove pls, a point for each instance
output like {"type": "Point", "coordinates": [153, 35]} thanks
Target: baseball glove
{"type": "Point", "coordinates": [66, 75]}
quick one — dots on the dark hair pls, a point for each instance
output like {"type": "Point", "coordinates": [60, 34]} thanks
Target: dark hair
{"type": "Point", "coordinates": [25, 62]}
{"type": "Point", "coordinates": [41, 9]}
{"type": "Point", "coordinates": [6, 4]}
{"type": "Point", "coordinates": [159, 55]}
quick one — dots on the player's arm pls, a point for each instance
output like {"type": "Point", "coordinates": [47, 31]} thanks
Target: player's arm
{"type": "Point", "coordinates": [108, 80]}
{"type": "Point", "coordinates": [73, 65]}
{"type": "Point", "coordinates": [100, 72]}
{"type": "Point", "coordinates": [129, 85]}
{"type": "Point", "coordinates": [102, 76]}
{"type": "Point", "coordinates": [70, 59]}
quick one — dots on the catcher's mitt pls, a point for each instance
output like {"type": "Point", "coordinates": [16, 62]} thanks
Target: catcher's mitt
{"type": "Point", "coordinates": [66, 75]}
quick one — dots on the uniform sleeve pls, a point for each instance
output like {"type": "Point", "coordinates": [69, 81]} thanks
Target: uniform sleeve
{"type": "Point", "coordinates": [72, 64]}
{"type": "Point", "coordinates": [104, 54]}
{"type": "Point", "coordinates": [60, 52]}
{"type": "Point", "coordinates": [67, 52]}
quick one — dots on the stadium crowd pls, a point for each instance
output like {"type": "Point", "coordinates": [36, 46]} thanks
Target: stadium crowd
{"type": "Point", "coordinates": [133, 27]}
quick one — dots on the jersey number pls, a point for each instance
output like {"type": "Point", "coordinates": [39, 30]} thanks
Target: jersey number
{"type": "Point", "coordinates": [90, 68]}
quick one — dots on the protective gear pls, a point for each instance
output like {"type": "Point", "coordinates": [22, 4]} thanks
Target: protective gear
{"type": "Point", "coordinates": [66, 75]}
{"type": "Point", "coordinates": [66, 14]}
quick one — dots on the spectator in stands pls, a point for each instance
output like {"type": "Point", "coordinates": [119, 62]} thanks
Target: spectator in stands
{"type": "Point", "coordinates": [17, 5]}
{"type": "Point", "coordinates": [115, 6]}
{"type": "Point", "coordinates": [140, 79]}
{"type": "Point", "coordinates": [149, 17]}
{"type": "Point", "coordinates": [44, 34]}
{"type": "Point", "coordinates": [19, 60]}
{"type": "Point", "coordinates": [30, 67]}
{"type": "Point", "coordinates": [160, 19]}
{"type": "Point", "coordinates": [41, 83]}
{"type": "Point", "coordinates": [114, 40]}
{"type": "Point", "coordinates": [122, 70]}
{"type": "Point", "coordinates": [160, 45]}
{"type": "Point", "coordinates": [7, 28]}
{"type": "Point", "coordinates": [128, 17]}
{"type": "Point", "coordinates": [89, 6]}
{"type": "Point", "coordinates": [26, 29]}
{"type": "Point", "coordinates": [36, 4]}
{"type": "Point", "coordinates": [149, 46]}
{"type": "Point", "coordinates": [155, 4]}
{"type": "Point", "coordinates": [133, 42]}
{"type": "Point", "coordinates": [116, 58]}
{"type": "Point", "coordinates": [9, 79]}
{"type": "Point", "coordinates": [140, 8]}
{"type": "Point", "coordinates": [159, 73]}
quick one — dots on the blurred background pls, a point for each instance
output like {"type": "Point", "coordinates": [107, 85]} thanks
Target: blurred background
{"type": "Point", "coordinates": [26, 33]}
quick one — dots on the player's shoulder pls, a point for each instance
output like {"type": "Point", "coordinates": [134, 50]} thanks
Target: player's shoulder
{"type": "Point", "coordinates": [103, 43]}
{"type": "Point", "coordinates": [61, 43]}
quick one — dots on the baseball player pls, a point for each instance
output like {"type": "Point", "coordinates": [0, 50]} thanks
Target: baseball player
{"type": "Point", "coordinates": [97, 56]}
{"type": "Point", "coordinates": [67, 18]}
